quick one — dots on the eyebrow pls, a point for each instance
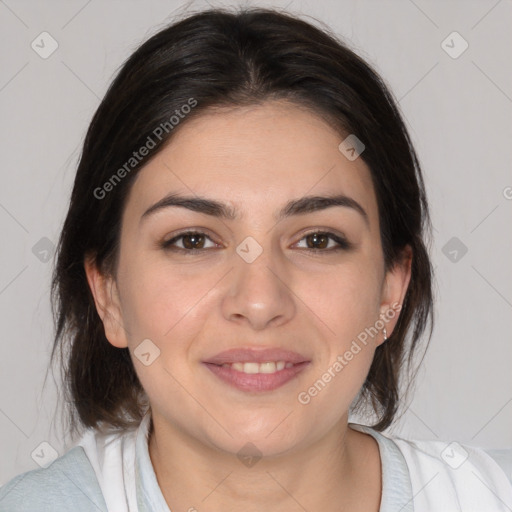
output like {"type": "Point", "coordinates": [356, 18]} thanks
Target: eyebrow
{"type": "Point", "coordinates": [215, 208]}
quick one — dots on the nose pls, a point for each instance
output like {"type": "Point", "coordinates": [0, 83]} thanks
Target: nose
{"type": "Point", "coordinates": [259, 294]}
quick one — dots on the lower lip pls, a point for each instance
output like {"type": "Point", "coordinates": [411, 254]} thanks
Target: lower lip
{"type": "Point", "coordinates": [256, 381]}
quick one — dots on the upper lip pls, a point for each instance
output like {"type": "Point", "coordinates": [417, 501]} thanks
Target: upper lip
{"type": "Point", "coordinates": [249, 355]}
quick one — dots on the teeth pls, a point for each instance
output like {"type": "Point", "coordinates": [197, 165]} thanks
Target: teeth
{"type": "Point", "coordinates": [252, 367]}
{"type": "Point", "coordinates": [269, 367]}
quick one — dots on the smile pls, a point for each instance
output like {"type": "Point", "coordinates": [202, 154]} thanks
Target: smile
{"type": "Point", "coordinates": [258, 377]}
{"type": "Point", "coordinates": [252, 367]}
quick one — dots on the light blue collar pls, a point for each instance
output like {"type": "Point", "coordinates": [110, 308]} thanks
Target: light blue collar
{"type": "Point", "coordinates": [396, 482]}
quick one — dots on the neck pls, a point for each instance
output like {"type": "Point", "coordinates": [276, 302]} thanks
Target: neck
{"type": "Point", "coordinates": [340, 471]}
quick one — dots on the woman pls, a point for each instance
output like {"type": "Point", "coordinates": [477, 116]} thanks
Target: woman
{"type": "Point", "coordinates": [243, 263]}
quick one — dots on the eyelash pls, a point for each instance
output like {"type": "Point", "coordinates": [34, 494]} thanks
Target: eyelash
{"type": "Point", "coordinates": [343, 244]}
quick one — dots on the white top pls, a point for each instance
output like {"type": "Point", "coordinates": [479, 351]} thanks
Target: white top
{"type": "Point", "coordinates": [416, 475]}
{"type": "Point", "coordinates": [114, 473]}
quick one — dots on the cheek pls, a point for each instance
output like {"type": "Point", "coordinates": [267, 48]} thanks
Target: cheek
{"type": "Point", "coordinates": [348, 299]}
{"type": "Point", "coordinates": [162, 305]}
{"type": "Point", "coordinates": [348, 303]}
{"type": "Point", "coordinates": [156, 299]}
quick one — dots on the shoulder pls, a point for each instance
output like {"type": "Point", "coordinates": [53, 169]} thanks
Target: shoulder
{"type": "Point", "coordinates": [503, 457]}
{"type": "Point", "coordinates": [461, 473]}
{"type": "Point", "coordinates": [69, 483]}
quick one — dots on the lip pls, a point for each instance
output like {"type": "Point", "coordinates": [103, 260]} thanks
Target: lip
{"type": "Point", "coordinates": [256, 381]}
{"type": "Point", "coordinates": [249, 355]}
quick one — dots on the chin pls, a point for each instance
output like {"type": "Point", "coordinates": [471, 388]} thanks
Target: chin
{"type": "Point", "coordinates": [247, 449]}
{"type": "Point", "coordinates": [268, 436]}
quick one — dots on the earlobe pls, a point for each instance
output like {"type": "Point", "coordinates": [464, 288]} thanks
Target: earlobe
{"type": "Point", "coordinates": [106, 300]}
{"type": "Point", "coordinates": [395, 288]}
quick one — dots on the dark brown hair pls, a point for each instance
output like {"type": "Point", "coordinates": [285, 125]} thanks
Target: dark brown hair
{"type": "Point", "coordinates": [229, 58]}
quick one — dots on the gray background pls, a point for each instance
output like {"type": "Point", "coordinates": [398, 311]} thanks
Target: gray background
{"type": "Point", "coordinates": [458, 111]}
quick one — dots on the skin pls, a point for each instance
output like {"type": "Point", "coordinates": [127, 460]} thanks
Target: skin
{"type": "Point", "coordinates": [194, 306]}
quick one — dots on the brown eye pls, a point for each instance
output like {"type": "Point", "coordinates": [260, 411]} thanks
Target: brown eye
{"type": "Point", "coordinates": [193, 241]}
{"type": "Point", "coordinates": [320, 240]}
{"type": "Point", "coordinates": [317, 241]}
{"type": "Point", "coordinates": [190, 242]}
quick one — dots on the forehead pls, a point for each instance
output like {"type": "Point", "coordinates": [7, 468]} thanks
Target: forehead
{"type": "Point", "coordinates": [254, 158]}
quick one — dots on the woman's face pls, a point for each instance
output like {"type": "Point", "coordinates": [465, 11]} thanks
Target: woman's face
{"type": "Point", "coordinates": [265, 279]}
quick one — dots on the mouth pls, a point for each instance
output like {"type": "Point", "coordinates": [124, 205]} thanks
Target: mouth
{"type": "Point", "coordinates": [257, 370]}
{"type": "Point", "coordinates": [251, 368]}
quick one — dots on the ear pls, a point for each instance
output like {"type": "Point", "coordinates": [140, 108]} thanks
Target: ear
{"type": "Point", "coordinates": [394, 289]}
{"type": "Point", "coordinates": [106, 298]}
